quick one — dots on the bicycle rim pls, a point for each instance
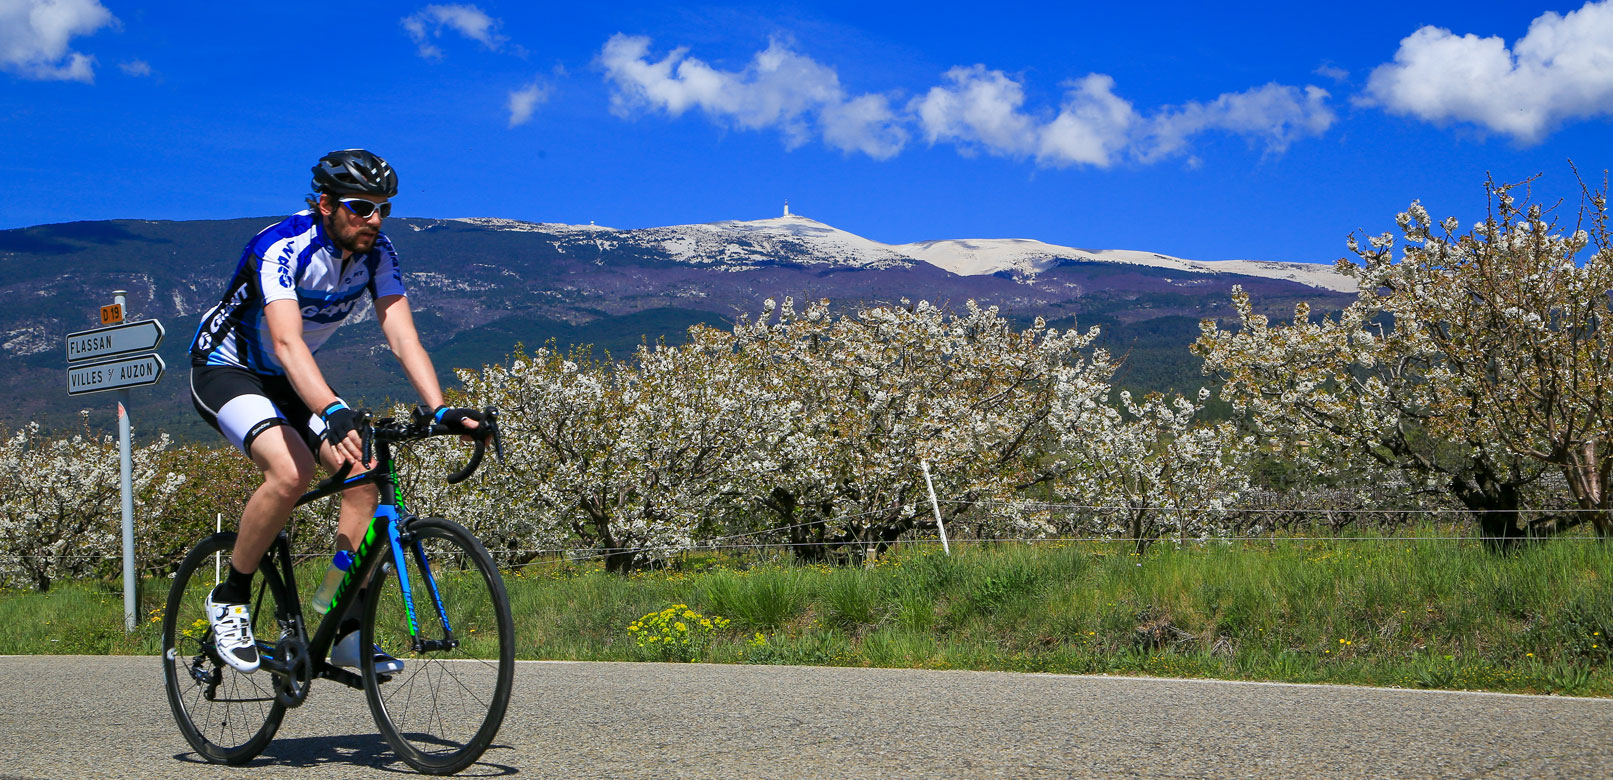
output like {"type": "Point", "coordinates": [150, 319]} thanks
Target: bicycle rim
{"type": "Point", "coordinates": [441, 712]}
{"type": "Point", "coordinates": [228, 717]}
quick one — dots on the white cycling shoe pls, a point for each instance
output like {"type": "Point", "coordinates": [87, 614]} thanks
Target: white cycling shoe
{"type": "Point", "coordinates": [345, 653]}
{"type": "Point", "coordinates": [232, 635]}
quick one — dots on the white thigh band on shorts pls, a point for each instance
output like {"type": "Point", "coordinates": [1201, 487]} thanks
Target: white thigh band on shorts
{"type": "Point", "coordinates": [244, 417]}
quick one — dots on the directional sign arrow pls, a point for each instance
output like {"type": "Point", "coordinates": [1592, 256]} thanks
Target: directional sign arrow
{"type": "Point", "coordinates": [114, 374]}
{"type": "Point", "coordinates": [116, 340]}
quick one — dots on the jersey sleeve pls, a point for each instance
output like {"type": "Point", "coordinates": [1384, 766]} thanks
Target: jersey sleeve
{"type": "Point", "coordinates": [387, 277]}
{"type": "Point", "coordinates": [277, 271]}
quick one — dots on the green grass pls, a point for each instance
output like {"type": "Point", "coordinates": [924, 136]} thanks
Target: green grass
{"type": "Point", "coordinates": [1427, 612]}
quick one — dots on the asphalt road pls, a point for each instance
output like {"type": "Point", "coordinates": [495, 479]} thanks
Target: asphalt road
{"type": "Point", "coordinates": [100, 717]}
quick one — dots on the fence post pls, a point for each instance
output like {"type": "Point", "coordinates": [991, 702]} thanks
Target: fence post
{"type": "Point", "coordinates": [935, 505]}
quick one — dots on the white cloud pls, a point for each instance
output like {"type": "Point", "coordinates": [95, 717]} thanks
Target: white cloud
{"type": "Point", "coordinates": [983, 109]}
{"type": "Point", "coordinates": [975, 109]}
{"type": "Point", "coordinates": [864, 124]}
{"type": "Point", "coordinates": [1274, 113]}
{"type": "Point", "coordinates": [136, 68]}
{"type": "Point", "coordinates": [427, 24]}
{"type": "Point", "coordinates": [1092, 127]}
{"type": "Point", "coordinates": [1561, 70]}
{"type": "Point", "coordinates": [524, 101]}
{"type": "Point", "coordinates": [980, 108]}
{"type": "Point", "coordinates": [34, 36]}
{"type": "Point", "coordinates": [1330, 71]}
{"type": "Point", "coordinates": [779, 88]}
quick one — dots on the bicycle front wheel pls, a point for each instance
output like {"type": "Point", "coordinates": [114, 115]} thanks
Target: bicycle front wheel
{"type": "Point", "coordinates": [447, 617]}
{"type": "Point", "coordinates": [228, 717]}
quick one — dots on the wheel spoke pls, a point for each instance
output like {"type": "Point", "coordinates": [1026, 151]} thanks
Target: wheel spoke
{"type": "Point", "coordinates": [441, 712]}
{"type": "Point", "coordinates": [240, 716]}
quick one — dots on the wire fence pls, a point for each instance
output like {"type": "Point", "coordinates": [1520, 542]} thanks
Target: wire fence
{"type": "Point", "coordinates": [975, 522]}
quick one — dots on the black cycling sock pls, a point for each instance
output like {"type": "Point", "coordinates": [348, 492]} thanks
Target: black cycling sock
{"type": "Point", "coordinates": [348, 626]}
{"type": "Point", "coordinates": [235, 589]}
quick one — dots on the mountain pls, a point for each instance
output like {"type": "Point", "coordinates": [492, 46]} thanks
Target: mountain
{"type": "Point", "coordinates": [740, 246]}
{"type": "Point", "coordinates": [1024, 258]}
{"type": "Point", "coordinates": [480, 286]}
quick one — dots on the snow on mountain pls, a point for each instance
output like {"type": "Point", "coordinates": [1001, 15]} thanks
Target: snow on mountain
{"type": "Point", "coordinates": [516, 225]}
{"type": "Point", "coordinates": [976, 257]}
{"type": "Point", "coordinates": [802, 240]}
{"type": "Point", "coordinates": [742, 245]}
{"type": "Point", "coordinates": [1025, 258]}
{"type": "Point", "coordinates": [1314, 274]}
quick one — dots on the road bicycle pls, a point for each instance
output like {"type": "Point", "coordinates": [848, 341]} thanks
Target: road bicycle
{"type": "Point", "coordinates": [424, 590]}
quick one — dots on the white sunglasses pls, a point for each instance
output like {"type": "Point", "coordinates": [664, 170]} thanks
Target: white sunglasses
{"type": "Point", "coordinates": [364, 209]}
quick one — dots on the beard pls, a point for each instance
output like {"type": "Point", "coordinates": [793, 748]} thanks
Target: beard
{"type": "Point", "coordinates": [357, 241]}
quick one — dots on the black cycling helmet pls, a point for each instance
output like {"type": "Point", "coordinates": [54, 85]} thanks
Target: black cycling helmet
{"type": "Point", "coordinates": [354, 171]}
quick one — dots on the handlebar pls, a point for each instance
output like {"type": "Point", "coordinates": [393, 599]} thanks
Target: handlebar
{"type": "Point", "coordinates": [421, 425]}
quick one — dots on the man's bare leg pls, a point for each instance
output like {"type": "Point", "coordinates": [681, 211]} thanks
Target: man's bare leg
{"type": "Point", "coordinates": [358, 510]}
{"type": "Point", "coordinates": [287, 467]}
{"type": "Point", "coordinates": [358, 504]}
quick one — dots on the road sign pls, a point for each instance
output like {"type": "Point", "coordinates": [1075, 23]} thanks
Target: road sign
{"type": "Point", "coordinates": [116, 340]}
{"type": "Point", "coordinates": [112, 314]}
{"type": "Point", "coordinates": [114, 374]}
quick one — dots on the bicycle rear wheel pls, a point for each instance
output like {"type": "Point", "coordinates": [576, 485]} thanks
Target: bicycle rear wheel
{"type": "Point", "coordinates": [444, 708]}
{"type": "Point", "coordinates": [228, 717]}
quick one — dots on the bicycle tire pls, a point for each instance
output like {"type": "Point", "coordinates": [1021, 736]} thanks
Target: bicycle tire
{"type": "Point", "coordinates": [235, 727]}
{"type": "Point", "coordinates": [441, 712]}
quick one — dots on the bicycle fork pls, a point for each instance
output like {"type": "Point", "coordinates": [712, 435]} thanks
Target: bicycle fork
{"type": "Point", "coordinates": [417, 643]}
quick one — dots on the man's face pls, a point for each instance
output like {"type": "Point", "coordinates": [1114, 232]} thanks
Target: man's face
{"type": "Point", "coordinates": [350, 232]}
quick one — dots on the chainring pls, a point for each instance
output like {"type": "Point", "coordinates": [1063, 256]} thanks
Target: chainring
{"type": "Point", "coordinates": [291, 685]}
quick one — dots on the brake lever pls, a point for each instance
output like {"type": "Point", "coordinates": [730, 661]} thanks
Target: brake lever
{"type": "Point", "coordinates": [495, 435]}
{"type": "Point", "coordinates": [366, 437]}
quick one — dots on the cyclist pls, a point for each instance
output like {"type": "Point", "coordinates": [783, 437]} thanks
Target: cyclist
{"type": "Point", "coordinates": [254, 379]}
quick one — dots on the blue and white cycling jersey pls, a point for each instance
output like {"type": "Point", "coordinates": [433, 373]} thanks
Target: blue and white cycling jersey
{"type": "Point", "coordinates": [293, 260]}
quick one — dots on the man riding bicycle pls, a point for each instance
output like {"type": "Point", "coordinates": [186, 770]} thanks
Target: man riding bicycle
{"type": "Point", "coordinates": [254, 379]}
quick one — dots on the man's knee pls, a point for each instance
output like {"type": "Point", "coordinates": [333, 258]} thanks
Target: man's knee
{"type": "Point", "coordinates": [287, 464]}
{"type": "Point", "coordinates": [290, 478]}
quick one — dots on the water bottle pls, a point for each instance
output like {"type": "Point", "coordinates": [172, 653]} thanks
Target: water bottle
{"type": "Point", "coordinates": [333, 578]}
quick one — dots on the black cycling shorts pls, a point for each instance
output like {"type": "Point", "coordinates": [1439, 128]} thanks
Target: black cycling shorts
{"type": "Point", "coordinates": [242, 405]}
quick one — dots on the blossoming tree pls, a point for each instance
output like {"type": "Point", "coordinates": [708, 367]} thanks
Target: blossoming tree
{"type": "Point", "coordinates": [1146, 470]}
{"type": "Point", "coordinates": [1520, 324]}
{"type": "Point", "coordinates": [1470, 364]}
{"type": "Point", "coordinates": [870, 394]}
{"type": "Point", "coordinates": [59, 505]}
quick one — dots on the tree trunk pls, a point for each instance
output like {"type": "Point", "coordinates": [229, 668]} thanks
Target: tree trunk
{"type": "Point", "coordinates": [1137, 538]}
{"type": "Point", "coordinates": [806, 539]}
{"type": "Point", "coordinates": [1494, 504]}
{"type": "Point", "coordinates": [1590, 491]}
{"type": "Point", "coordinates": [620, 561]}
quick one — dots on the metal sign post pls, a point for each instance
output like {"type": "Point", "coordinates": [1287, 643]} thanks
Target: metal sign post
{"type": "Point", "coordinates": [126, 480]}
{"type": "Point", "coordinates": [120, 374]}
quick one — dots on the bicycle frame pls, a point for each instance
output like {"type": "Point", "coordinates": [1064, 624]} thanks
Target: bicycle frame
{"type": "Point", "coordinates": [387, 534]}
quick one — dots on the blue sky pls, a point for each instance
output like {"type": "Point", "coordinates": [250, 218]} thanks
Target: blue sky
{"type": "Point", "coordinates": [1199, 131]}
